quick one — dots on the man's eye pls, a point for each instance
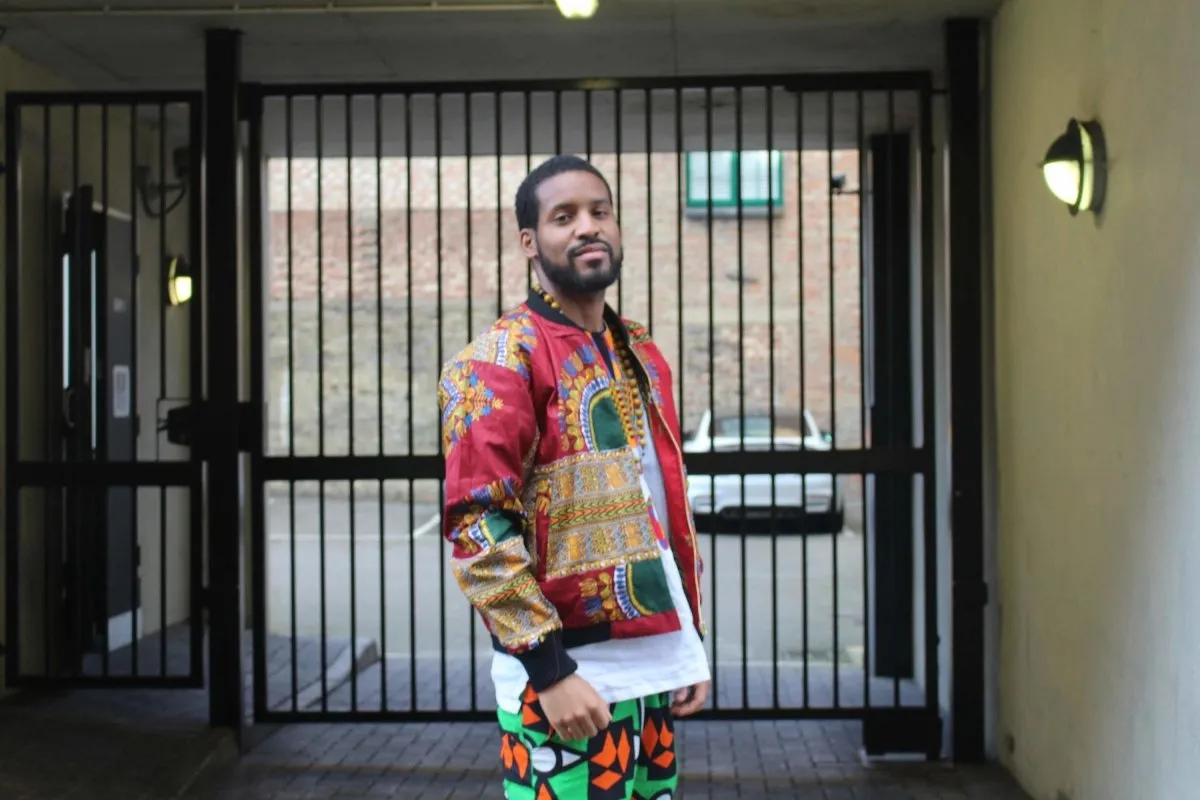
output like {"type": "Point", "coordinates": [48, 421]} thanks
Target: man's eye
{"type": "Point", "coordinates": [562, 218]}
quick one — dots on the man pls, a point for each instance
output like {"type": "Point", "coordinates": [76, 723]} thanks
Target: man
{"type": "Point", "coordinates": [566, 505]}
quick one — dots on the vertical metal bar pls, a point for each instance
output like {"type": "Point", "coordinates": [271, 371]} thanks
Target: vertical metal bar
{"type": "Point", "coordinates": [471, 311]}
{"type": "Point", "coordinates": [292, 568]}
{"type": "Point", "coordinates": [889, 410]}
{"type": "Point", "coordinates": [649, 215]}
{"type": "Point", "coordinates": [772, 530]}
{"type": "Point", "coordinates": [681, 210]}
{"type": "Point", "coordinates": [54, 384]}
{"type": "Point", "coordinates": [972, 737]}
{"type": "Point", "coordinates": [442, 543]}
{"type": "Point", "coordinates": [135, 208]}
{"type": "Point", "coordinates": [256, 244]}
{"type": "Point", "coordinates": [100, 309]}
{"type": "Point", "coordinates": [498, 111]}
{"type": "Point", "coordinates": [383, 672]}
{"type": "Point", "coordinates": [162, 372]}
{"type": "Point", "coordinates": [54, 316]}
{"type": "Point", "coordinates": [12, 361]}
{"type": "Point", "coordinates": [557, 121]}
{"type": "Point", "coordinates": [712, 409]}
{"type": "Point", "coordinates": [222, 84]}
{"type": "Point", "coordinates": [741, 309]}
{"type": "Point", "coordinates": [196, 244]}
{"type": "Point", "coordinates": [319, 121]}
{"type": "Point", "coordinates": [291, 348]}
{"type": "Point", "coordinates": [349, 111]}
{"type": "Point", "coordinates": [528, 166]}
{"type": "Point", "coordinates": [587, 121]}
{"type": "Point", "coordinates": [134, 315]}
{"type": "Point", "coordinates": [803, 388]}
{"type": "Point", "coordinates": [860, 140]}
{"type": "Point", "coordinates": [412, 519]}
{"type": "Point", "coordinates": [968, 194]}
{"type": "Point", "coordinates": [618, 124]}
{"type": "Point", "coordinates": [829, 145]}
{"type": "Point", "coordinates": [80, 311]}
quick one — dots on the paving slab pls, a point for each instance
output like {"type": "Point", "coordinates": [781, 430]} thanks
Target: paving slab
{"type": "Point", "coordinates": [718, 760]}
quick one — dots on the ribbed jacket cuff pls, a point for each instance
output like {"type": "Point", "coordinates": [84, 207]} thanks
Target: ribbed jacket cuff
{"type": "Point", "coordinates": [548, 663]}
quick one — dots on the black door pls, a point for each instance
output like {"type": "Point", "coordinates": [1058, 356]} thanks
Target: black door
{"type": "Point", "coordinates": [100, 424]}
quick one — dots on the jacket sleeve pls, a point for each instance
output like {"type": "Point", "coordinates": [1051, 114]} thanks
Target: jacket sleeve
{"type": "Point", "coordinates": [489, 431]}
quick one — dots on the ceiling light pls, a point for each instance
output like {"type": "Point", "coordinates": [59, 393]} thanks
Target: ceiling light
{"type": "Point", "coordinates": [577, 9]}
{"type": "Point", "coordinates": [1076, 167]}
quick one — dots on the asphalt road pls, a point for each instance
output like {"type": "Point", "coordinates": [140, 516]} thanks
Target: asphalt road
{"type": "Point", "coordinates": [755, 599]}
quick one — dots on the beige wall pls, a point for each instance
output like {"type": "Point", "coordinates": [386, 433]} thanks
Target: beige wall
{"type": "Point", "coordinates": [17, 74]}
{"type": "Point", "coordinates": [1098, 353]}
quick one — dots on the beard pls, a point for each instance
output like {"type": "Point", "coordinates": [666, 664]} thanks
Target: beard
{"type": "Point", "coordinates": [572, 279]}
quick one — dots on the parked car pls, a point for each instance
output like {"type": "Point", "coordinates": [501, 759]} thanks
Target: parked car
{"type": "Point", "coordinates": [812, 502]}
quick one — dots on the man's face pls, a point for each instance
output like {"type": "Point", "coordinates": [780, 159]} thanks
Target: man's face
{"type": "Point", "coordinates": [578, 240]}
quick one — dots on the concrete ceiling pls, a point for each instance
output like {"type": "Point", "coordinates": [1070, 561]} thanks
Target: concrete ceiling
{"type": "Point", "coordinates": [159, 43]}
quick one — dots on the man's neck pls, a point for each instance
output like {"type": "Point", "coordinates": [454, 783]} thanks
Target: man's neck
{"type": "Point", "coordinates": [586, 311]}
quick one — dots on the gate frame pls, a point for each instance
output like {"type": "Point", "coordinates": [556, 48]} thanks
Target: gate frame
{"type": "Point", "coordinates": [894, 728]}
{"type": "Point", "coordinates": [968, 273]}
{"type": "Point", "coordinates": [21, 474]}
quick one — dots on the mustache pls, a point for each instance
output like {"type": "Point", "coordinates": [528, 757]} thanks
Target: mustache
{"type": "Point", "coordinates": [574, 249]}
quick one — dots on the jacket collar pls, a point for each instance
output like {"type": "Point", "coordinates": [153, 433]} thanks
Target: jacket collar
{"type": "Point", "coordinates": [565, 326]}
{"type": "Point", "coordinates": [612, 319]}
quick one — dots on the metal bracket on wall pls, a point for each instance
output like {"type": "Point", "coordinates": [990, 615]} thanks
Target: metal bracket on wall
{"type": "Point", "coordinates": [187, 425]}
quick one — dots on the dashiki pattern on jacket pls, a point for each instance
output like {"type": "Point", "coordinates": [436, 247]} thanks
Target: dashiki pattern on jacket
{"type": "Point", "coordinates": [554, 539]}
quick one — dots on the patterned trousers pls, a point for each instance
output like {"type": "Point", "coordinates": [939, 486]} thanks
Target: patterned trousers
{"type": "Point", "coordinates": [633, 759]}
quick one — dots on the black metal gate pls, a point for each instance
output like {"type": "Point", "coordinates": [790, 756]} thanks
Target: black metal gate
{"type": "Point", "coordinates": [102, 494]}
{"type": "Point", "coordinates": [779, 246]}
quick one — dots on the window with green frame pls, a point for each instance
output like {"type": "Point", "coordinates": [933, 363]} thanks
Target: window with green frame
{"type": "Point", "coordinates": [760, 172]}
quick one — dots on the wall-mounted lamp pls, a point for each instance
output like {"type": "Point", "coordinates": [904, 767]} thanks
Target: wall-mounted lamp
{"type": "Point", "coordinates": [577, 9]}
{"type": "Point", "coordinates": [1076, 167]}
{"type": "Point", "coordinates": [177, 280]}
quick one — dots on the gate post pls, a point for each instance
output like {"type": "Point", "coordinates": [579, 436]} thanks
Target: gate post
{"type": "Point", "coordinates": [222, 76]}
{"type": "Point", "coordinates": [964, 71]}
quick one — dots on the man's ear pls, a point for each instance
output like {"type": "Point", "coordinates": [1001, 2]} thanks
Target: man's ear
{"type": "Point", "coordinates": [529, 243]}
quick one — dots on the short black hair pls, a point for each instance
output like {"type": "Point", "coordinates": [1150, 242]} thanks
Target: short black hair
{"type": "Point", "coordinates": [527, 200]}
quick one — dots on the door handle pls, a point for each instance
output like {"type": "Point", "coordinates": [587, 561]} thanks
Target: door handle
{"type": "Point", "coordinates": [68, 420]}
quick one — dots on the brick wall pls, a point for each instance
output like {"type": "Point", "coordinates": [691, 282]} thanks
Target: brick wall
{"type": "Point", "coordinates": [428, 273]}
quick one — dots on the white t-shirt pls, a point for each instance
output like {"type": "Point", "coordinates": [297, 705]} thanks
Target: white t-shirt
{"type": "Point", "coordinates": [627, 669]}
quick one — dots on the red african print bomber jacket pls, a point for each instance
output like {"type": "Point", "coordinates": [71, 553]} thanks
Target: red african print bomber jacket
{"type": "Point", "coordinates": [554, 540]}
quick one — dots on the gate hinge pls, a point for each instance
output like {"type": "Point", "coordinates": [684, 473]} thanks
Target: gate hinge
{"type": "Point", "coordinates": [971, 595]}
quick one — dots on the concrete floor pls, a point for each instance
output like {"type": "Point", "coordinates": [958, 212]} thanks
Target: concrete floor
{"type": "Point", "coordinates": [718, 760]}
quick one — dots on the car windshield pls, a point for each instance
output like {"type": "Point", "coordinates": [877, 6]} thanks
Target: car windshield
{"type": "Point", "coordinates": [758, 426]}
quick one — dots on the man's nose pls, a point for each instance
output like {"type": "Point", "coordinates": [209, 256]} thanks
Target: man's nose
{"type": "Point", "coordinates": [586, 227]}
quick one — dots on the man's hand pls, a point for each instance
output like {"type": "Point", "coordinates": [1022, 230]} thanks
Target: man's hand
{"type": "Point", "coordinates": [574, 709]}
{"type": "Point", "coordinates": [690, 699]}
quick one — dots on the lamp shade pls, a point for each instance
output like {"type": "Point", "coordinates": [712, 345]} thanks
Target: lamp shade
{"type": "Point", "coordinates": [177, 279]}
{"type": "Point", "coordinates": [577, 9]}
{"type": "Point", "coordinates": [1075, 167]}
